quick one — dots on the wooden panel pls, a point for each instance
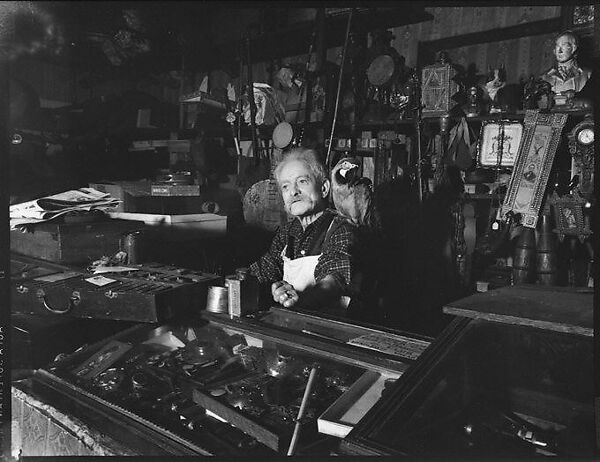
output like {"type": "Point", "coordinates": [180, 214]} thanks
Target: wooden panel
{"type": "Point", "coordinates": [559, 309]}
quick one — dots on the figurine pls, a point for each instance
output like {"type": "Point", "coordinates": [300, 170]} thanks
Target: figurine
{"type": "Point", "coordinates": [566, 78]}
{"type": "Point", "coordinates": [497, 80]}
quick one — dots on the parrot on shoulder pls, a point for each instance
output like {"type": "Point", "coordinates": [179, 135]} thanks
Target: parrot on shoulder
{"type": "Point", "coordinates": [352, 194]}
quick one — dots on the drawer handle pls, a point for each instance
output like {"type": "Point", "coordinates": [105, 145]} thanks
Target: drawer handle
{"type": "Point", "coordinates": [110, 294]}
{"type": "Point", "coordinates": [74, 300]}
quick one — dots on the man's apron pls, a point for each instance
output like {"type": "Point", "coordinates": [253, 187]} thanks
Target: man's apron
{"type": "Point", "coordinates": [300, 272]}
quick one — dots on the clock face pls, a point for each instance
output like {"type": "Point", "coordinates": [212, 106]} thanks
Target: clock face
{"type": "Point", "coordinates": [586, 136]}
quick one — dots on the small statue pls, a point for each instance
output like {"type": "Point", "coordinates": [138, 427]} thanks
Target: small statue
{"type": "Point", "coordinates": [497, 80]}
{"type": "Point", "coordinates": [566, 78]}
{"type": "Point", "coordinates": [472, 109]}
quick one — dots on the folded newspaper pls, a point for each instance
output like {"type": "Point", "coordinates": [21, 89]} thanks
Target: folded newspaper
{"type": "Point", "coordinates": [50, 207]}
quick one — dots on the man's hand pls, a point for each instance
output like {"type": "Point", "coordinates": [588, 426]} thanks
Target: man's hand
{"type": "Point", "coordinates": [284, 293]}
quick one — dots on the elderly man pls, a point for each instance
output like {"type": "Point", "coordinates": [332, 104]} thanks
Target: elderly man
{"type": "Point", "coordinates": [567, 75]}
{"type": "Point", "coordinates": [309, 263]}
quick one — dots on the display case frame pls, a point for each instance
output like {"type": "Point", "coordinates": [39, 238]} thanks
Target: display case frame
{"type": "Point", "coordinates": [151, 437]}
{"type": "Point", "coordinates": [531, 313]}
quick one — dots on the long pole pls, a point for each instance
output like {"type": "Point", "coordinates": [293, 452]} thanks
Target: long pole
{"type": "Point", "coordinates": [339, 88]}
{"type": "Point", "coordinates": [418, 124]}
{"type": "Point", "coordinates": [252, 104]}
{"type": "Point", "coordinates": [303, 404]}
{"type": "Point", "coordinates": [181, 88]}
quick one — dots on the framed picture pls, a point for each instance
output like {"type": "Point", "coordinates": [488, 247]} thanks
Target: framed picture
{"type": "Point", "coordinates": [541, 135]}
{"type": "Point", "coordinates": [499, 143]}
{"type": "Point", "coordinates": [568, 216]}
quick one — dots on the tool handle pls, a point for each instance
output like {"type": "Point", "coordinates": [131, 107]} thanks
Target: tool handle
{"type": "Point", "coordinates": [307, 391]}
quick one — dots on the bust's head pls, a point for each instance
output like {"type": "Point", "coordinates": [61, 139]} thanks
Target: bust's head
{"type": "Point", "coordinates": [565, 46]}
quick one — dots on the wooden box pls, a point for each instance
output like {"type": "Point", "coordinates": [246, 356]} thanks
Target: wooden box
{"type": "Point", "coordinates": [72, 243]}
{"type": "Point", "coordinates": [437, 89]}
{"type": "Point", "coordinates": [510, 378]}
{"type": "Point", "coordinates": [149, 293]}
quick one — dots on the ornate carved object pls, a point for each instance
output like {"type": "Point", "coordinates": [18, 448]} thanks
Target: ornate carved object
{"type": "Point", "coordinates": [387, 75]}
{"type": "Point", "coordinates": [569, 217]}
{"type": "Point", "coordinates": [438, 87]}
{"type": "Point", "coordinates": [581, 147]}
{"type": "Point", "coordinates": [527, 185]}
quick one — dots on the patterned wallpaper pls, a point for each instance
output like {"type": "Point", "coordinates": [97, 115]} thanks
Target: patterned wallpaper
{"type": "Point", "coordinates": [521, 57]}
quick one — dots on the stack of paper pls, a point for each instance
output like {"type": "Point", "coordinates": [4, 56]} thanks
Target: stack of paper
{"type": "Point", "coordinates": [50, 207]}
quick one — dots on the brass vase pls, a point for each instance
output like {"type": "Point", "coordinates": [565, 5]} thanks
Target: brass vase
{"type": "Point", "coordinates": [524, 260]}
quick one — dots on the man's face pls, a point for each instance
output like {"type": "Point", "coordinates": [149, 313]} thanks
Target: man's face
{"type": "Point", "coordinates": [302, 194]}
{"type": "Point", "coordinates": [564, 48]}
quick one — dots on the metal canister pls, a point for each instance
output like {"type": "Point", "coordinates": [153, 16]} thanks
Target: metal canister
{"type": "Point", "coordinates": [132, 246]}
{"type": "Point", "coordinates": [217, 299]}
{"type": "Point", "coordinates": [234, 287]}
{"type": "Point", "coordinates": [524, 257]}
{"type": "Point", "coordinates": [546, 258]}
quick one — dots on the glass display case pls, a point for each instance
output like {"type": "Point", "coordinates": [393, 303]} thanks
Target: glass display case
{"type": "Point", "coordinates": [277, 382]}
{"type": "Point", "coordinates": [512, 376]}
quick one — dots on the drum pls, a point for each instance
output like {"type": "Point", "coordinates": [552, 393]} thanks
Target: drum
{"type": "Point", "coordinates": [283, 135]}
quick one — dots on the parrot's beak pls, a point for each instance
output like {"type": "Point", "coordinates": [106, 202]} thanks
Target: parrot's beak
{"type": "Point", "coordinates": [347, 175]}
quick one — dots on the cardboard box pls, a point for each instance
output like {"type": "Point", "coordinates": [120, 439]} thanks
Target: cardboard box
{"type": "Point", "coordinates": [208, 223]}
{"type": "Point", "coordinates": [166, 205]}
{"type": "Point", "coordinates": [125, 191]}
